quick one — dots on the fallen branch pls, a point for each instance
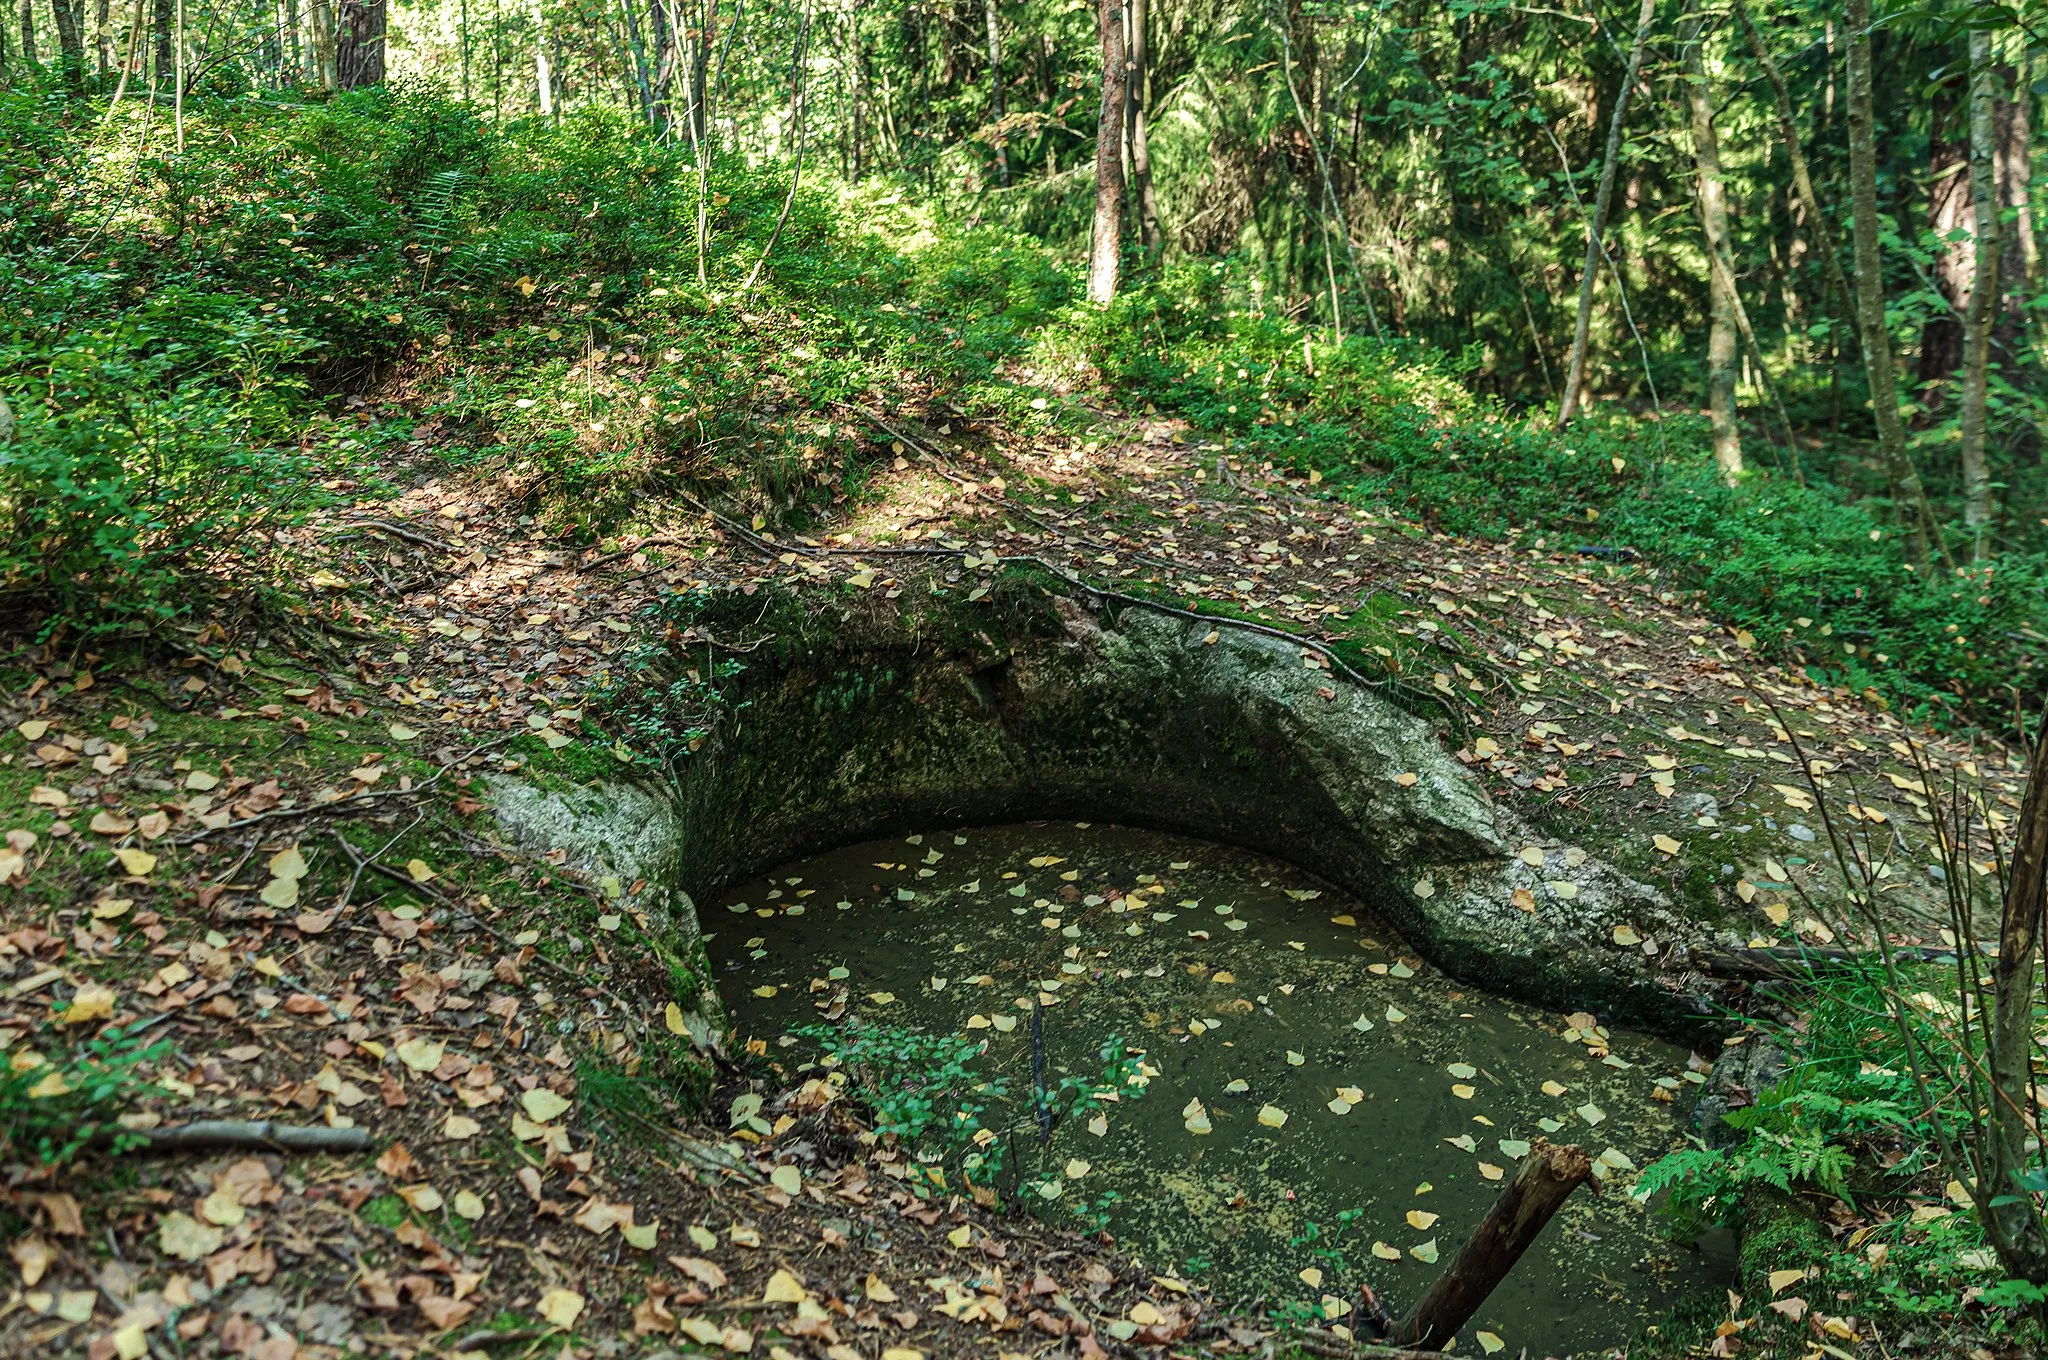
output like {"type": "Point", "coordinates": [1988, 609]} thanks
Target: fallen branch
{"type": "Point", "coordinates": [1797, 961]}
{"type": "Point", "coordinates": [1542, 1183]}
{"type": "Point", "coordinates": [504, 1338]}
{"type": "Point", "coordinates": [400, 531]}
{"type": "Point", "coordinates": [261, 1135]}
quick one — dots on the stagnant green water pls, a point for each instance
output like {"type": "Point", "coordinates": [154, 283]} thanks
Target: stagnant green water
{"type": "Point", "coordinates": [1257, 992]}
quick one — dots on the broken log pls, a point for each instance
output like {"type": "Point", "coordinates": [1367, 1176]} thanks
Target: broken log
{"type": "Point", "coordinates": [259, 1135]}
{"type": "Point", "coordinates": [1542, 1183]}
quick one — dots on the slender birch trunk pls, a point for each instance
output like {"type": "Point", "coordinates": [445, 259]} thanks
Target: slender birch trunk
{"type": "Point", "coordinates": [1596, 226]}
{"type": "Point", "coordinates": [1907, 490]}
{"type": "Point", "coordinates": [995, 89]}
{"type": "Point", "coordinates": [1982, 309]}
{"type": "Point", "coordinates": [1721, 299]}
{"type": "Point", "coordinates": [1141, 137]}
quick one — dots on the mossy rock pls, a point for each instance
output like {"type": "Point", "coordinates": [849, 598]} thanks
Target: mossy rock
{"type": "Point", "coordinates": [857, 716]}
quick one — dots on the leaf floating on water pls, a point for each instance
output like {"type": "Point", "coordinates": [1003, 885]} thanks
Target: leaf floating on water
{"type": "Point", "coordinates": [1395, 1015]}
{"type": "Point", "coordinates": [1554, 1088]}
{"type": "Point", "coordinates": [1549, 1125]}
{"type": "Point", "coordinates": [1003, 1023]}
{"type": "Point", "coordinates": [1362, 1025]}
{"type": "Point", "coordinates": [1617, 1159]}
{"type": "Point", "coordinates": [1077, 1168]}
{"type": "Point", "coordinates": [1385, 1252]}
{"type": "Point", "coordinates": [1513, 1147]}
{"type": "Point", "coordinates": [1196, 1119]}
{"type": "Point", "coordinates": [1400, 970]}
{"type": "Point", "coordinates": [1351, 1094]}
{"type": "Point", "coordinates": [1273, 1117]}
{"type": "Point", "coordinates": [1295, 1059]}
{"type": "Point", "coordinates": [1462, 1071]}
{"type": "Point", "coordinates": [1099, 1125]}
{"type": "Point", "coordinates": [1425, 889]}
{"type": "Point", "coordinates": [1312, 1277]}
{"type": "Point", "coordinates": [1340, 1106]}
{"type": "Point", "coordinates": [1590, 1112]}
{"type": "Point", "coordinates": [1421, 1219]}
{"type": "Point", "coordinates": [1424, 1252]}
{"type": "Point", "coordinates": [879, 998]}
{"type": "Point", "coordinates": [1490, 1171]}
{"type": "Point", "coordinates": [1424, 1188]}
{"type": "Point", "coordinates": [1465, 1142]}
{"type": "Point", "coordinates": [1490, 1343]}
{"type": "Point", "coordinates": [1464, 1092]}
{"type": "Point", "coordinates": [1237, 1087]}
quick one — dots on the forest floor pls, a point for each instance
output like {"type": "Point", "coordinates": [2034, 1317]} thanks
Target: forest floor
{"type": "Point", "coordinates": [279, 861]}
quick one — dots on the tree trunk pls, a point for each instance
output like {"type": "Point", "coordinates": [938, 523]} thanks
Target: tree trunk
{"type": "Point", "coordinates": [1721, 300]}
{"type": "Point", "coordinates": [1788, 133]}
{"type": "Point", "coordinates": [1542, 1183]}
{"type": "Point", "coordinates": [995, 91]}
{"type": "Point", "coordinates": [1984, 291]}
{"type": "Point", "coordinates": [1948, 215]}
{"type": "Point", "coordinates": [321, 15]}
{"type": "Point", "coordinates": [1106, 247]}
{"type": "Point", "coordinates": [28, 32]}
{"type": "Point", "coordinates": [359, 44]}
{"type": "Point", "coordinates": [543, 75]}
{"type": "Point", "coordinates": [1141, 143]}
{"type": "Point", "coordinates": [103, 36]}
{"type": "Point", "coordinates": [1596, 227]}
{"type": "Point", "coordinates": [68, 18]}
{"type": "Point", "coordinates": [1877, 344]}
{"type": "Point", "coordinates": [2015, 1226]}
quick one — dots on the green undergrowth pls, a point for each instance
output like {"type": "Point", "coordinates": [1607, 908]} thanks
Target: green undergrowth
{"type": "Point", "coordinates": [1833, 1172]}
{"type": "Point", "coordinates": [1816, 577]}
{"type": "Point", "coordinates": [199, 347]}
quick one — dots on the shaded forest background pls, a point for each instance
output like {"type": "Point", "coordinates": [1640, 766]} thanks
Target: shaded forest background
{"type": "Point", "coordinates": [1379, 241]}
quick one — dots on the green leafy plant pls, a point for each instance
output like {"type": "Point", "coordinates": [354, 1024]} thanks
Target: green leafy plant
{"type": "Point", "coordinates": [923, 1089]}
{"type": "Point", "coordinates": [54, 1108]}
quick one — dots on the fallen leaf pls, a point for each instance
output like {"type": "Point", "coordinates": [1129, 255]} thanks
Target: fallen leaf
{"type": "Point", "coordinates": [543, 1105]}
{"type": "Point", "coordinates": [422, 1055]}
{"type": "Point", "coordinates": [561, 1307]}
{"type": "Point", "coordinates": [784, 1287]}
{"type": "Point", "coordinates": [186, 1238]}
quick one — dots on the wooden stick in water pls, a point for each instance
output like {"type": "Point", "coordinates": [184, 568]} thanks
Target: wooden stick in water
{"type": "Point", "coordinates": [1542, 1183]}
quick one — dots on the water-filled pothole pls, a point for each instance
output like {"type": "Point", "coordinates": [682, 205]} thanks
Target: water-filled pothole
{"type": "Point", "coordinates": [1259, 993]}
